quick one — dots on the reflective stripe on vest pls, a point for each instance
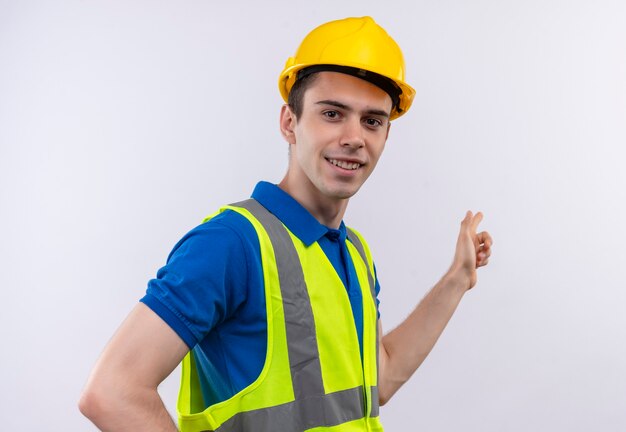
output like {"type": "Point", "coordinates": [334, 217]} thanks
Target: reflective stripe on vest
{"type": "Point", "coordinates": [356, 241]}
{"type": "Point", "coordinates": [311, 407]}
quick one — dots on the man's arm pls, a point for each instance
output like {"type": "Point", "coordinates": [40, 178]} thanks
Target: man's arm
{"type": "Point", "coordinates": [121, 393]}
{"type": "Point", "coordinates": [404, 349]}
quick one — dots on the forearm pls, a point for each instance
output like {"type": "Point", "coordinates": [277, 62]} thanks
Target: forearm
{"type": "Point", "coordinates": [404, 349]}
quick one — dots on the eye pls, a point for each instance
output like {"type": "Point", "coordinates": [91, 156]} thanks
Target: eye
{"type": "Point", "coordinates": [373, 122]}
{"type": "Point", "coordinates": [332, 115]}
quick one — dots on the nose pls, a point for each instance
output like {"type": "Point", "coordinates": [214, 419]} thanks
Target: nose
{"type": "Point", "coordinates": [353, 134]}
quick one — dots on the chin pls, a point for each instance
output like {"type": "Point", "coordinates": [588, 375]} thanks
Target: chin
{"type": "Point", "coordinates": [341, 193]}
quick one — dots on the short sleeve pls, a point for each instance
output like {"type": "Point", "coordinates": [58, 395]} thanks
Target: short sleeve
{"type": "Point", "coordinates": [204, 280]}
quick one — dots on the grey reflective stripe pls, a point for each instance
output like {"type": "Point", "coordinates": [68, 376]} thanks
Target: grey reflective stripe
{"type": "Point", "coordinates": [374, 411]}
{"type": "Point", "coordinates": [302, 414]}
{"type": "Point", "coordinates": [304, 361]}
{"type": "Point", "coordinates": [356, 241]}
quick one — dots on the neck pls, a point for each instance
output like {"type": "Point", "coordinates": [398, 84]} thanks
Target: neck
{"type": "Point", "coordinates": [327, 211]}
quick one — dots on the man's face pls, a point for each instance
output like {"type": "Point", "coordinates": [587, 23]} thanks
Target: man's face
{"type": "Point", "coordinates": [339, 136]}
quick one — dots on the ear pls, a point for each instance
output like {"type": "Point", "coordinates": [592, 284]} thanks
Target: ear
{"type": "Point", "coordinates": [287, 124]}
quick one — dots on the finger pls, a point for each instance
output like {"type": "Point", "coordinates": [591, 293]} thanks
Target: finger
{"type": "Point", "coordinates": [485, 239]}
{"type": "Point", "coordinates": [465, 223]}
{"type": "Point", "coordinates": [467, 219]}
{"type": "Point", "coordinates": [483, 253]}
{"type": "Point", "coordinates": [475, 221]}
{"type": "Point", "coordinates": [482, 263]}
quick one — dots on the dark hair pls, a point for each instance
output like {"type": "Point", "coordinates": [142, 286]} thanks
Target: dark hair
{"type": "Point", "coordinates": [296, 95]}
{"type": "Point", "coordinates": [305, 77]}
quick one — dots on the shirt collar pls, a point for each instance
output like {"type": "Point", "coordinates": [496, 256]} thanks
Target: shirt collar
{"type": "Point", "coordinates": [290, 212]}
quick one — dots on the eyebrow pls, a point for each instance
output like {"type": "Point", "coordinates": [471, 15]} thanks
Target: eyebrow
{"type": "Point", "coordinates": [347, 108]}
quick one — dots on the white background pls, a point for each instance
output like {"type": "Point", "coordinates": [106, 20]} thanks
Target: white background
{"type": "Point", "coordinates": [124, 123]}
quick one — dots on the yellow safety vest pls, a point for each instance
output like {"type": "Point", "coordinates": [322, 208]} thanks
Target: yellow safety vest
{"type": "Point", "coordinates": [313, 378]}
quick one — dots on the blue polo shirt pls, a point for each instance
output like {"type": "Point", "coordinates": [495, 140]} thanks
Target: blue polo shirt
{"type": "Point", "coordinates": [211, 290]}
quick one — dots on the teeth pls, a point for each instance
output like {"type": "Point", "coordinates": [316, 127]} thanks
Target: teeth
{"type": "Point", "coordinates": [344, 165]}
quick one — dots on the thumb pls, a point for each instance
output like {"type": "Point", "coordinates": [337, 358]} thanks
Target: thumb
{"type": "Point", "coordinates": [475, 221]}
{"type": "Point", "coordinates": [468, 218]}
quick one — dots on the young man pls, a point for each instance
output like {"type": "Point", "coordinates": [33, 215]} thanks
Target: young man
{"type": "Point", "coordinates": [271, 303]}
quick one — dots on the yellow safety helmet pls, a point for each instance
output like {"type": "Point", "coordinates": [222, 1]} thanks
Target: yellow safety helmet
{"type": "Point", "coordinates": [357, 46]}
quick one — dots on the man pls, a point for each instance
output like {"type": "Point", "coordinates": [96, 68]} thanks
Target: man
{"type": "Point", "coordinates": [271, 304]}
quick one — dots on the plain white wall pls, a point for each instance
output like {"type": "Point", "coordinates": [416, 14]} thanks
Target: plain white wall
{"type": "Point", "coordinates": [123, 123]}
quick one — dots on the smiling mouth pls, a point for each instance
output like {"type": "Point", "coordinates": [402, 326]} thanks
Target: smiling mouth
{"type": "Point", "coordinates": [345, 165]}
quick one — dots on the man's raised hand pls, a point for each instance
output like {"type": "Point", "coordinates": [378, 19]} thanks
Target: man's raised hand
{"type": "Point", "coordinates": [472, 249]}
